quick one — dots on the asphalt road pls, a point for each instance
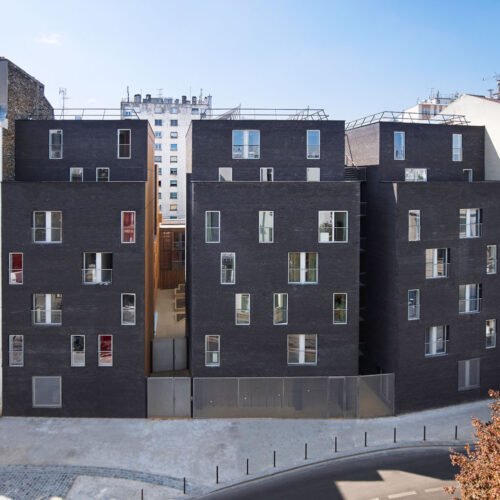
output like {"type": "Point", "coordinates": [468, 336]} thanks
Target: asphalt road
{"type": "Point", "coordinates": [412, 473]}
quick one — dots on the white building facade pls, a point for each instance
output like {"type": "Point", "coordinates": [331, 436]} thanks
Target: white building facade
{"type": "Point", "coordinates": [170, 119]}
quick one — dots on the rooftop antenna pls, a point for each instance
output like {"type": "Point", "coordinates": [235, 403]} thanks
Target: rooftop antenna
{"type": "Point", "coordinates": [160, 92]}
{"type": "Point", "coordinates": [62, 93]}
{"type": "Point", "coordinates": [128, 94]}
{"type": "Point", "coordinates": [201, 95]}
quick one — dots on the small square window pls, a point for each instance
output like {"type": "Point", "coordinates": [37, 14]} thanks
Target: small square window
{"type": "Point", "coordinates": [158, 159]}
{"type": "Point", "coordinates": [15, 268]}
{"type": "Point", "coordinates": [76, 174]}
{"type": "Point", "coordinates": [313, 174]}
{"type": "Point", "coordinates": [105, 347]}
{"type": "Point", "coordinates": [174, 135]}
{"type": "Point", "coordinates": [332, 226]}
{"type": "Point", "coordinates": [158, 134]}
{"type": "Point", "coordinates": [158, 146]}
{"type": "Point", "coordinates": [302, 349]}
{"type": "Point", "coordinates": [158, 123]}
{"type": "Point", "coordinates": [173, 171]}
{"type": "Point", "coordinates": [173, 196]}
{"type": "Point", "coordinates": [225, 174]}
{"type": "Point", "coordinates": [173, 207]}
{"type": "Point", "coordinates": [174, 123]}
{"type": "Point", "coordinates": [102, 174]}
{"type": "Point", "coordinates": [173, 183]}
{"type": "Point", "coordinates": [173, 147]}
{"type": "Point", "coordinates": [266, 175]}
{"type": "Point", "coordinates": [47, 227]}
{"type": "Point", "coordinates": [173, 159]}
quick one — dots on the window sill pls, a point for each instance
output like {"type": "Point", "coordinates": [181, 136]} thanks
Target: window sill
{"type": "Point", "coordinates": [436, 277]}
{"type": "Point", "coordinates": [300, 283]}
{"type": "Point", "coordinates": [437, 355]}
{"type": "Point", "coordinates": [302, 364]}
{"type": "Point", "coordinates": [469, 312]}
{"type": "Point", "coordinates": [413, 319]}
{"type": "Point", "coordinates": [47, 242]}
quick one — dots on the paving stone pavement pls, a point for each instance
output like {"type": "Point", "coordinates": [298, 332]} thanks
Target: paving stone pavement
{"type": "Point", "coordinates": [34, 482]}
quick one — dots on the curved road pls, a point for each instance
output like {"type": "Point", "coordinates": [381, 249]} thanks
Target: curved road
{"type": "Point", "coordinates": [411, 473]}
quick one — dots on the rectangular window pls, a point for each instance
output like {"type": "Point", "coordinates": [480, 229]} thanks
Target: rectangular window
{"type": "Point", "coordinates": [313, 144]}
{"type": "Point", "coordinates": [173, 183]}
{"type": "Point", "coordinates": [436, 262]}
{"type": "Point", "coordinates": [491, 333]}
{"type": "Point", "coordinates": [158, 147]}
{"type": "Point", "coordinates": [227, 268]}
{"type": "Point", "coordinates": [76, 174]}
{"type": "Point", "coordinates": [159, 171]}
{"type": "Point", "coordinates": [266, 227]}
{"type": "Point", "coordinates": [47, 227]}
{"type": "Point", "coordinates": [280, 309]}
{"type": "Point", "coordinates": [105, 345]}
{"type": "Point", "coordinates": [266, 175]}
{"type": "Point", "coordinates": [174, 135]}
{"type": "Point", "coordinates": [340, 308]}
{"type": "Point", "coordinates": [332, 227]}
{"type": "Point", "coordinates": [124, 143]}
{"type": "Point", "coordinates": [128, 227]}
{"type": "Point", "coordinates": [491, 259]}
{"type": "Point", "coordinates": [246, 144]}
{"type": "Point", "coordinates": [97, 268]}
{"type": "Point", "coordinates": [468, 173]}
{"type": "Point", "coordinates": [173, 147]}
{"type": "Point", "coordinates": [413, 304]}
{"type": "Point", "coordinates": [302, 349]}
{"type": "Point", "coordinates": [159, 196]}
{"type": "Point", "coordinates": [469, 298]}
{"type": "Point", "coordinates": [195, 111]}
{"type": "Point", "coordinates": [47, 309]}
{"type": "Point", "coordinates": [174, 123]}
{"type": "Point", "coordinates": [158, 159]}
{"type": "Point", "coordinates": [470, 222]}
{"type": "Point", "coordinates": [302, 267]}
{"type": "Point", "coordinates": [158, 123]}
{"type": "Point", "coordinates": [225, 174]}
{"type": "Point", "coordinates": [173, 196]}
{"type": "Point", "coordinates": [128, 308]}
{"type": "Point", "coordinates": [173, 171]}
{"type": "Point", "coordinates": [55, 144]}
{"type": "Point", "coordinates": [173, 159]}
{"type": "Point", "coordinates": [15, 268]}
{"type": "Point", "coordinates": [173, 207]}
{"type": "Point", "coordinates": [399, 145]}
{"type": "Point", "coordinates": [436, 339]}
{"type": "Point", "coordinates": [415, 174]}
{"type": "Point", "coordinates": [102, 174]}
{"type": "Point", "coordinates": [46, 392]}
{"type": "Point", "coordinates": [212, 350]}
{"type": "Point", "coordinates": [242, 308]}
{"type": "Point", "coordinates": [413, 225]}
{"type": "Point", "coordinates": [212, 227]}
{"type": "Point", "coordinates": [77, 350]}
{"type": "Point", "coordinates": [313, 174]}
{"type": "Point", "coordinates": [468, 374]}
{"type": "Point", "coordinates": [16, 350]}
{"type": "Point", "coordinates": [457, 147]}
{"type": "Point", "coordinates": [174, 110]}
{"type": "Point", "coordinates": [158, 134]}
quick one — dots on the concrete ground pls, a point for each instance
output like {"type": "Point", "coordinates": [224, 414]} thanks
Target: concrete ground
{"type": "Point", "coordinates": [161, 453]}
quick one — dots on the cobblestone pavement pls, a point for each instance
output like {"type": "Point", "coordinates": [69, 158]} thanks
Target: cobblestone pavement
{"type": "Point", "coordinates": [33, 482]}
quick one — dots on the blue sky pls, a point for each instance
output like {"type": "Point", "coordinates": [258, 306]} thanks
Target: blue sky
{"type": "Point", "coordinates": [352, 57]}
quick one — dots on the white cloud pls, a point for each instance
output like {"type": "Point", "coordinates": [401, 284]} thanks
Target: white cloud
{"type": "Point", "coordinates": [49, 39]}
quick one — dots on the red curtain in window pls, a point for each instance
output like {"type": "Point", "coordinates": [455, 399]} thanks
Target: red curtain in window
{"type": "Point", "coordinates": [128, 225]}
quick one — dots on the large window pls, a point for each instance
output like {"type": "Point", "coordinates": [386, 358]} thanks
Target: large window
{"type": "Point", "coordinates": [332, 227]}
{"type": "Point", "coordinates": [124, 143]}
{"type": "Point", "coordinates": [415, 174]}
{"type": "Point", "coordinates": [16, 350]}
{"type": "Point", "coordinates": [227, 268]}
{"type": "Point", "coordinates": [47, 309]}
{"type": "Point", "coordinates": [468, 374]}
{"type": "Point", "coordinates": [105, 346]}
{"type": "Point", "coordinates": [313, 144]}
{"type": "Point", "coordinates": [399, 145]}
{"type": "Point", "coordinates": [102, 174]}
{"type": "Point", "coordinates": [97, 268]}
{"type": "Point", "coordinates": [436, 339]}
{"type": "Point", "coordinates": [47, 227]}
{"type": "Point", "coordinates": [340, 308]}
{"type": "Point", "coordinates": [436, 262]}
{"type": "Point", "coordinates": [302, 349]}
{"type": "Point", "coordinates": [55, 144]}
{"type": "Point", "coordinates": [491, 259]}
{"type": "Point", "coordinates": [212, 350]}
{"type": "Point", "coordinates": [457, 147]}
{"type": "Point", "coordinates": [47, 392]}
{"type": "Point", "coordinates": [77, 350]}
{"type": "Point", "coordinates": [15, 268]}
{"type": "Point", "coordinates": [212, 227]}
{"type": "Point", "coordinates": [225, 174]}
{"type": "Point", "coordinates": [470, 222]}
{"type": "Point", "coordinates": [413, 225]}
{"type": "Point", "coordinates": [242, 308]}
{"type": "Point", "coordinates": [266, 174]}
{"type": "Point", "coordinates": [128, 227]}
{"type": "Point", "coordinates": [491, 333]}
{"type": "Point", "coordinates": [280, 309]}
{"type": "Point", "coordinates": [246, 144]}
{"type": "Point", "coordinates": [469, 298]}
{"type": "Point", "coordinates": [302, 267]}
{"type": "Point", "coordinates": [128, 308]}
{"type": "Point", "coordinates": [413, 304]}
{"type": "Point", "coordinates": [76, 174]}
{"type": "Point", "coordinates": [266, 227]}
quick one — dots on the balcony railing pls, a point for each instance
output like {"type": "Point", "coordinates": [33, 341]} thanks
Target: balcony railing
{"type": "Point", "coordinates": [436, 348]}
{"type": "Point", "coordinates": [246, 151]}
{"type": "Point", "coordinates": [413, 311]}
{"type": "Point", "coordinates": [469, 306]}
{"type": "Point", "coordinates": [97, 276]}
{"type": "Point", "coordinates": [471, 230]}
{"type": "Point", "coordinates": [44, 235]}
{"type": "Point", "coordinates": [491, 266]}
{"type": "Point", "coordinates": [46, 317]}
{"type": "Point", "coordinates": [436, 270]}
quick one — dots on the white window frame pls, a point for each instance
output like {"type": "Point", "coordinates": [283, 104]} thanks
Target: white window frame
{"type": "Point", "coordinates": [470, 174]}
{"type": "Point", "coordinates": [309, 174]}
{"type": "Point", "coordinates": [245, 151]}
{"type": "Point", "coordinates": [34, 405]}
{"type": "Point", "coordinates": [207, 352]}
{"type": "Point", "coordinates": [415, 175]}
{"type": "Point", "coordinates": [48, 227]}
{"type": "Point", "coordinates": [467, 303]}
{"type": "Point", "coordinates": [47, 310]}
{"type": "Point", "coordinates": [472, 229]}
{"type": "Point", "coordinates": [302, 350]}
{"type": "Point", "coordinates": [97, 270]}
{"type": "Point", "coordinates": [11, 351]}
{"type": "Point", "coordinates": [491, 262]}
{"type": "Point", "coordinates": [118, 144]}
{"type": "Point", "coordinates": [97, 174]}
{"type": "Point", "coordinates": [211, 227]}
{"type": "Point", "coordinates": [491, 333]}
{"type": "Point", "coordinates": [11, 270]}
{"type": "Point", "coordinates": [416, 306]}
{"type": "Point", "coordinates": [99, 363]}
{"type": "Point", "coordinates": [125, 310]}
{"type": "Point", "coordinates": [431, 341]}
{"type": "Point", "coordinates": [416, 226]}
{"type": "Point", "coordinates": [344, 310]}
{"type": "Point", "coordinates": [404, 145]}
{"type": "Point", "coordinates": [275, 309]}
{"type": "Point", "coordinates": [174, 135]}
{"type": "Point", "coordinates": [240, 309]}
{"type": "Point", "coordinates": [73, 169]}
{"type": "Point", "coordinates": [303, 270]}
{"type": "Point", "coordinates": [228, 170]}
{"type": "Point", "coordinates": [263, 228]}
{"type": "Point", "coordinates": [158, 146]}
{"type": "Point", "coordinates": [332, 216]}
{"type": "Point", "coordinates": [222, 255]}
{"type": "Point", "coordinates": [121, 227]}
{"type": "Point", "coordinates": [52, 132]}
{"type": "Point", "coordinates": [434, 263]}
{"type": "Point", "coordinates": [456, 151]}
{"type": "Point", "coordinates": [264, 171]}
{"type": "Point", "coordinates": [467, 368]}
{"type": "Point", "coordinates": [73, 362]}
{"type": "Point", "coordinates": [308, 154]}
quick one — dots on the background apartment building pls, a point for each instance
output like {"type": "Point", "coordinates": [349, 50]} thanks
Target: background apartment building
{"type": "Point", "coordinates": [170, 120]}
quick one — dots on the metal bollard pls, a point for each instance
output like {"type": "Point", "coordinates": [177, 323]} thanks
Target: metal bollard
{"type": "Point", "coordinates": [366, 439]}
{"type": "Point", "coordinates": [274, 458]}
{"type": "Point", "coordinates": [305, 452]}
{"type": "Point", "coordinates": [424, 432]}
{"type": "Point", "coordinates": [184, 486]}
{"type": "Point", "coordinates": [247, 466]}
{"type": "Point", "coordinates": [394, 434]}
{"type": "Point", "coordinates": [456, 432]}
{"type": "Point", "coordinates": [335, 444]}
{"type": "Point", "coordinates": [216, 474]}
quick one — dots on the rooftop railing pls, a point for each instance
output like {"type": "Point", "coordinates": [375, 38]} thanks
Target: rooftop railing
{"type": "Point", "coordinates": [406, 117]}
{"type": "Point", "coordinates": [86, 114]}
{"type": "Point", "coordinates": [239, 113]}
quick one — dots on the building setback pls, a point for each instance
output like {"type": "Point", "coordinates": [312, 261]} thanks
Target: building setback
{"type": "Point", "coordinates": [77, 246]}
